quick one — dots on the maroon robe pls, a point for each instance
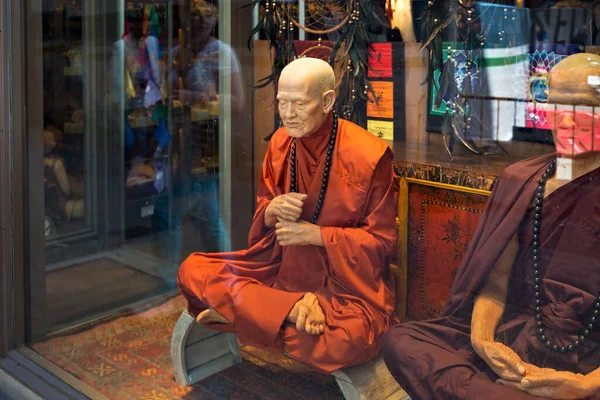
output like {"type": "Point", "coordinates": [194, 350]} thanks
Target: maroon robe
{"type": "Point", "coordinates": [255, 289]}
{"type": "Point", "coordinates": [434, 359]}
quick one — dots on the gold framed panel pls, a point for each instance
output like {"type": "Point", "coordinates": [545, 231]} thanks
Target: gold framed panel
{"type": "Point", "coordinates": [401, 269]}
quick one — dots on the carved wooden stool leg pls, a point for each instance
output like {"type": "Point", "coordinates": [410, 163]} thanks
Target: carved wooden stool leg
{"type": "Point", "coordinates": [198, 352]}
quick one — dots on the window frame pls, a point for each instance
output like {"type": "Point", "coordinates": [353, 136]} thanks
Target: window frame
{"type": "Point", "coordinates": [13, 111]}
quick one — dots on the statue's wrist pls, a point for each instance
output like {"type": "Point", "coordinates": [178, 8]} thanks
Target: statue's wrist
{"type": "Point", "coordinates": [270, 218]}
{"type": "Point", "coordinates": [317, 237]}
{"type": "Point", "coordinates": [477, 344]}
{"type": "Point", "coordinates": [591, 385]}
{"type": "Point", "coordinates": [479, 337]}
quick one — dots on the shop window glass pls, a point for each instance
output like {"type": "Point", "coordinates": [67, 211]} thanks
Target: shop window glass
{"type": "Point", "coordinates": [156, 115]}
{"type": "Point", "coordinates": [132, 154]}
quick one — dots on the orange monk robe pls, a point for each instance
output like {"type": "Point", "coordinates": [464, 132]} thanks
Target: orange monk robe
{"type": "Point", "coordinates": [255, 289]}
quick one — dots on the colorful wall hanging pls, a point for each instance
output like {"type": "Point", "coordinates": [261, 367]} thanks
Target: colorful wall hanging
{"type": "Point", "coordinates": [386, 118]}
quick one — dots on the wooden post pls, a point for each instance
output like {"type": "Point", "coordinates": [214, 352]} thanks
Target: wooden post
{"type": "Point", "coordinates": [264, 107]}
{"type": "Point", "coordinates": [415, 63]}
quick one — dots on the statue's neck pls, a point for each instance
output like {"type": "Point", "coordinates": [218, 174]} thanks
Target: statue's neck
{"type": "Point", "coordinates": [568, 169]}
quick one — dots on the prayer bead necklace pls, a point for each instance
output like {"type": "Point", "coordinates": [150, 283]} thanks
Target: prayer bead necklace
{"type": "Point", "coordinates": [541, 329]}
{"type": "Point", "coordinates": [325, 180]}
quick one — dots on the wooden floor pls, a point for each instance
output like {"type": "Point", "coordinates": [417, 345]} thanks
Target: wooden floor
{"type": "Point", "coordinates": [84, 290]}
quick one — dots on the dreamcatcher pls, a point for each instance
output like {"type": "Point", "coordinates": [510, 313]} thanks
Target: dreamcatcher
{"type": "Point", "coordinates": [322, 17]}
{"type": "Point", "coordinates": [340, 21]}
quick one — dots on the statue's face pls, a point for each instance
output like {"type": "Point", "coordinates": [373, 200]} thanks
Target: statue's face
{"type": "Point", "coordinates": [574, 89]}
{"type": "Point", "coordinates": [301, 109]}
{"type": "Point", "coordinates": [575, 132]}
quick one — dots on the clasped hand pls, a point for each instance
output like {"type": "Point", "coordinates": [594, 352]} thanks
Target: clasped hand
{"type": "Point", "coordinates": [543, 382]}
{"type": "Point", "coordinates": [283, 213]}
{"type": "Point", "coordinates": [287, 207]}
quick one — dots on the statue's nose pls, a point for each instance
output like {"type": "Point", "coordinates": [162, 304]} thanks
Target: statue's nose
{"type": "Point", "coordinates": [289, 111]}
{"type": "Point", "coordinates": [567, 121]}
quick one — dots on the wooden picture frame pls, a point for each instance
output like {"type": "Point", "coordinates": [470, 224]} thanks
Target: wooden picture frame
{"type": "Point", "coordinates": [401, 271]}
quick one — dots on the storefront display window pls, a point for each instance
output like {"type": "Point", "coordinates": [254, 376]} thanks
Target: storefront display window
{"type": "Point", "coordinates": [130, 148]}
{"type": "Point", "coordinates": [168, 156]}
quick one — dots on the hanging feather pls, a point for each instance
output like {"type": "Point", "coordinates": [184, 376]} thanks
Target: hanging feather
{"type": "Point", "coordinates": [345, 35]}
{"type": "Point", "coordinates": [369, 10]}
{"type": "Point", "coordinates": [253, 3]}
{"type": "Point", "coordinates": [265, 24]}
{"type": "Point", "coordinates": [459, 129]}
{"type": "Point", "coordinates": [447, 86]}
{"type": "Point", "coordinates": [280, 38]}
{"type": "Point", "coordinates": [447, 134]}
{"type": "Point", "coordinates": [467, 88]}
{"type": "Point", "coordinates": [345, 38]}
{"type": "Point", "coordinates": [357, 42]}
{"type": "Point", "coordinates": [439, 15]}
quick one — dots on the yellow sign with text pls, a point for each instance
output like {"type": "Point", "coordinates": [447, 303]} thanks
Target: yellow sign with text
{"type": "Point", "coordinates": [382, 129]}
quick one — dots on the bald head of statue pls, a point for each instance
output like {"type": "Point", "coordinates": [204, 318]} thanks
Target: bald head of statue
{"type": "Point", "coordinates": [575, 81]}
{"type": "Point", "coordinates": [306, 95]}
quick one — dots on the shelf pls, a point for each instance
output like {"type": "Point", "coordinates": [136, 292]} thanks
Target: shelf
{"type": "Point", "coordinates": [147, 198]}
{"type": "Point", "coordinates": [198, 114]}
{"type": "Point", "coordinates": [141, 122]}
{"type": "Point", "coordinates": [75, 71]}
{"type": "Point", "coordinates": [143, 160]}
{"type": "Point", "coordinates": [74, 128]}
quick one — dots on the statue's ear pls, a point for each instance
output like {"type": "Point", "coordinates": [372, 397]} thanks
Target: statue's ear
{"type": "Point", "coordinates": [328, 100]}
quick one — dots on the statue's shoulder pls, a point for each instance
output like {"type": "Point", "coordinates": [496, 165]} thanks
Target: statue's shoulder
{"type": "Point", "coordinates": [280, 139]}
{"type": "Point", "coordinates": [360, 144]}
{"type": "Point", "coordinates": [523, 170]}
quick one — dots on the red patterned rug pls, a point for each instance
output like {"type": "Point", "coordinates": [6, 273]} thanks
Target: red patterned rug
{"type": "Point", "coordinates": [129, 358]}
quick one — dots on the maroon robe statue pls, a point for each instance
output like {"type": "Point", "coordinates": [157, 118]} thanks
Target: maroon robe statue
{"type": "Point", "coordinates": [435, 360]}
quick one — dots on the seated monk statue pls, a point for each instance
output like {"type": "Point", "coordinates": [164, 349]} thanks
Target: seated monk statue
{"type": "Point", "coordinates": [521, 320]}
{"type": "Point", "coordinates": [315, 282]}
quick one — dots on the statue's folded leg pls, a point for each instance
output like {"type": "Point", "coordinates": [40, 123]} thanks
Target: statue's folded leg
{"type": "Point", "coordinates": [349, 338]}
{"type": "Point", "coordinates": [428, 368]}
{"type": "Point", "coordinates": [256, 311]}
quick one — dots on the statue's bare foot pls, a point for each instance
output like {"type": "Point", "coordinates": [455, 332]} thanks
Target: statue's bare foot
{"type": "Point", "coordinates": [308, 315]}
{"type": "Point", "coordinates": [210, 316]}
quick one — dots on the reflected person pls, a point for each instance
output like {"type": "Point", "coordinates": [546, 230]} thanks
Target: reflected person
{"type": "Point", "coordinates": [196, 221]}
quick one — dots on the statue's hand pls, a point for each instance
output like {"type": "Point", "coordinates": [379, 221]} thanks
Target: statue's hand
{"type": "Point", "coordinates": [287, 207]}
{"type": "Point", "coordinates": [300, 233]}
{"type": "Point", "coordinates": [546, 382]}
{"type": "Point", "coordinates": [501, 359]}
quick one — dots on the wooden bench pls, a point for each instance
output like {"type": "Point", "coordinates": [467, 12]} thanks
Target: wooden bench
{"type": "Point", "coordinates": [199, 352]}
